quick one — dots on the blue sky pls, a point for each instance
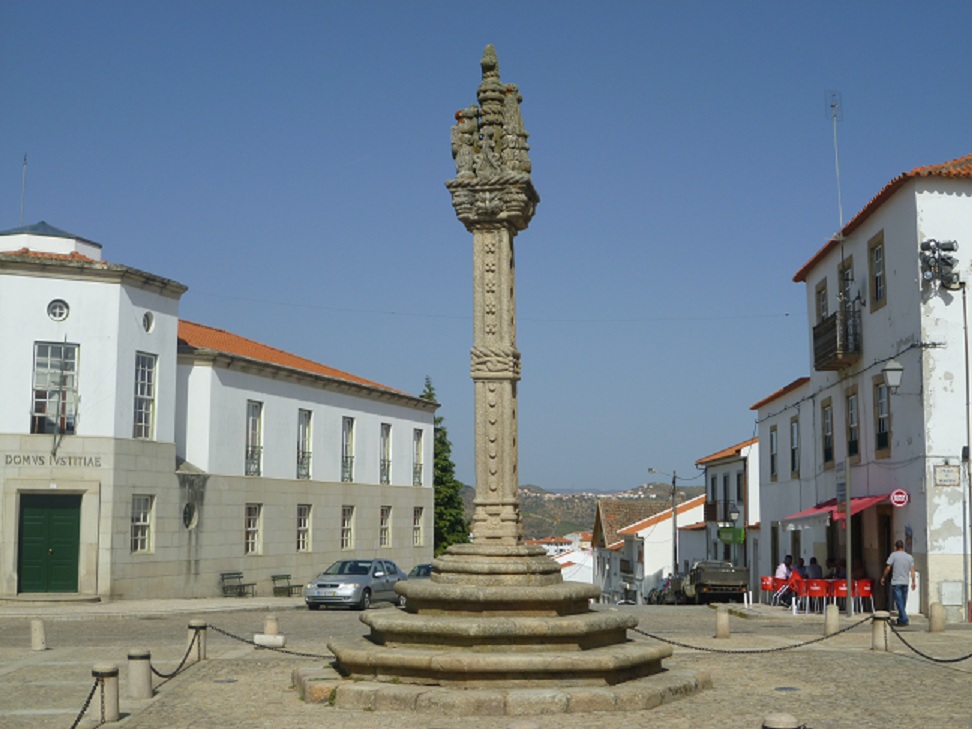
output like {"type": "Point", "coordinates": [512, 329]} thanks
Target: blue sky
{"type": "Point", "coordinates": [286, 161]}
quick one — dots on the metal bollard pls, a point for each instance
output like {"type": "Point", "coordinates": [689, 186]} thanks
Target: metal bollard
{"type": "Point", "coordinates": [38, 637]}
{"type": "Point", "coordinates": [936, 618]}
{"type": "Point", "coordinates": [831, 619]}
{"type": "Point", "coordinates": [879, 630]}
{"type": "Point", "coordinates": [198, 625]}
{"type": "Point", "coordinates": [779, 720]}
{"type": "Point", "coordinates": [107, 675]}
{"type": "Point", "coordinates": [139, 673]}
{"type": "Point", "coordinates": [722, 622]}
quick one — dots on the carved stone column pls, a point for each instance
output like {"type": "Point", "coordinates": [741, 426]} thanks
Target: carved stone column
{"type": "Point", "coordinates": [494, 198]}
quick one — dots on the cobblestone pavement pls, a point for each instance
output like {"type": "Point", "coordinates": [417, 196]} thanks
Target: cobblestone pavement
{"type": "Point", "coordinates": [838, 682]}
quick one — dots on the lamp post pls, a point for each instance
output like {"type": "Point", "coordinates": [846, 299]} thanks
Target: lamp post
{"type": "Point", "coordinates": [674, 521]}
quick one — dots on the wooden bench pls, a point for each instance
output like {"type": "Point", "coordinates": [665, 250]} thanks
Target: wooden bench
{"type": "Point", "coordinates": [283, 587]}
{"type": "Point", "coordinates": [233, 586]}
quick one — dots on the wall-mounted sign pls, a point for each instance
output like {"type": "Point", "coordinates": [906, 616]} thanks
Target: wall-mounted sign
{"type": "Point", "coordinates": [731, 535]}
{"type": "Point", "coordinates": [45, 459]}
{"type": "Point", "coordinates": [948, 475]}
{"type": "Point", "coordinates": [899, 497]}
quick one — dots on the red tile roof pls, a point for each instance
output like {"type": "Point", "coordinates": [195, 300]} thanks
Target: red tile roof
{"type": "Point", "coordinates": [72, 256]}
{"type": "Point", "coordinates": [726, 452]}
{"type": "Point", "coordinates": [796, 384]}
{"type": "Point", "coordinates": [614, 514]}
{"type": "Point", "coordinates": [663, 515]}
{"type": "Point", "coordinates": [198, 336]}
{"type": "Point", "coordinates": [956, 168]}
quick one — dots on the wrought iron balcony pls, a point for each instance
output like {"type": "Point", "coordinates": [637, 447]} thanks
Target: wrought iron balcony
{"type": "Point", "coordinates": [417, 474]}
{"type": "Point", "coordinates": [254, 460]}
{"type": "Point", "coordinates": [347, 468]}
{"type": "Point", "coordinates": [837, 339]}
{"type": "Point", "coordinates": [303, 464]}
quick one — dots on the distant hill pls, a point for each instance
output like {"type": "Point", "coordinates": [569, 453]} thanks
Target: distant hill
{"type": "Point", "coordinates": [547, 514]}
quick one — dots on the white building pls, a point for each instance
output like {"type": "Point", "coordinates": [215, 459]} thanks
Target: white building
{"type": "Point", "coordinates": [143, 455]}
{"type": "Point", "coordinates": [732, 485]}
{"type": "Point", "coordinates": [881, 296]}
{"type": "Point", "coordinates": [633, 545]}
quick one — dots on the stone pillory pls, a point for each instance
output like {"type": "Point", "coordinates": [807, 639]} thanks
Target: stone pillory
{"type": "Point", "coordinates": [496, 614]}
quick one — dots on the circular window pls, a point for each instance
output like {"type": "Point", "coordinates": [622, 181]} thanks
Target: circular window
{"type": "Point", "coordinates": [58, 310]}
{"type": "Point", "coordinates": [148, 321]}
{"type": "Point", "coordinates": [189, 516]}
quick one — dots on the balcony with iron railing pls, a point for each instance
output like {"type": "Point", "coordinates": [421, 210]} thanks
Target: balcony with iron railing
{"type": "Point", "coordinates": [837, 339]}
{"type": "Point", "coordinates": [254, 461]}
{"type": "Point", "coordinates": [719, 511]}
{"type": "Point", "coordinates": [417, 474]}
{"type": "Point", "coordinates": [347, 468]}
{"type": "Point", "coordinates": [384, 471]}
{"type": "Point", "coordinates": [303, 464]}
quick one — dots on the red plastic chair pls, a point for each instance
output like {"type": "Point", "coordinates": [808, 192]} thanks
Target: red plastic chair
{"type": "Point", "coordinates": [779, 589]}
{"type": "Point", "coordinates": [766, 585]}
{"type": "Point", "coordinates": [863, 590]}
{"type": "Point", "coordinates": [818, 591]}
{"type": "Point", "coordinates": [801, 592]}
{"type": "Point", "coordinates": [838, 590]}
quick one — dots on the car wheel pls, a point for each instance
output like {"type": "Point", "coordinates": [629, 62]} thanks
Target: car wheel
{"type": "Point", "coordinates": [365, 602]}
{"type": "Point", "coordinates": [313, 606]}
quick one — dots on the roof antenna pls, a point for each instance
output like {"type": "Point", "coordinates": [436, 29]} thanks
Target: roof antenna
{"type": "Point", "coordinates": [835, 109]}
{"type": "Point", "coordinates": [23, 191]}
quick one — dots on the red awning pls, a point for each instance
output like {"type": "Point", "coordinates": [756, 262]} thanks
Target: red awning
{"type": "Point", "coordinates": [827, 510]}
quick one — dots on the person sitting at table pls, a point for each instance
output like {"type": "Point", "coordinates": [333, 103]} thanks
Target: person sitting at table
{"type": "Point", "coordinates": [841, 571]}
{"type": "Point", "coordinates": [783, 572]}
{"type": "Point", "coordinates": [857, 571]}
{"type": "Point", "coordinates": [801, 568]}
{"type": "Point", "coordinates": [831, 568]}
{"type": "Point", "coordinates": [814, 572]}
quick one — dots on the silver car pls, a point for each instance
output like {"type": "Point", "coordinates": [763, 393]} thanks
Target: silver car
{"type": "Point", "coordinates": [355, 583]}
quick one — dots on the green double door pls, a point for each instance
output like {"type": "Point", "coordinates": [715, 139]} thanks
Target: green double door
{"type": "Point", "coordinates": [50, 534]}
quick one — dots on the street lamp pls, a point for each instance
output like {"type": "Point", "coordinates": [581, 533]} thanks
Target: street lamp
{"type": "Point", "coordinates": [892, 372]}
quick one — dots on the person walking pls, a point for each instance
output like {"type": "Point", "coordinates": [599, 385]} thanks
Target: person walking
{"type": "Point", "coordinates": [900, 564]}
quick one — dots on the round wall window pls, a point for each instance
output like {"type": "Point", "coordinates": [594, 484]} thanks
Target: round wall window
{"type": "Point", "coordinates": [58, 310]}
{"type": "Point", "coordinates": [148, 321]}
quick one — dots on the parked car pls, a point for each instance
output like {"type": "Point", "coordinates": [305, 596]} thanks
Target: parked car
{"type": "Point", "coordinates": [419, 571]}
{"type": "Point", "coordinates": [355, 583]}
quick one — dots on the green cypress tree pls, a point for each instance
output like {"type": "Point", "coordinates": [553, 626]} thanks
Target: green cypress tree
{"type": "Point", "coordinates": [451, 526]}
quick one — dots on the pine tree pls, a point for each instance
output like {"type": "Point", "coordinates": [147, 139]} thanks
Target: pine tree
{"type": "Point", "coordinates": [451, 526]}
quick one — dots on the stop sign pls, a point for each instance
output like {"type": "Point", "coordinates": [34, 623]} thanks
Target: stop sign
{"type": "Point", "coordinates": [899, 497]}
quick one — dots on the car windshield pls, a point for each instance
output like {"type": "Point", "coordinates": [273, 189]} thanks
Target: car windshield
{"type": "Point", "coordinates": [349, 567]}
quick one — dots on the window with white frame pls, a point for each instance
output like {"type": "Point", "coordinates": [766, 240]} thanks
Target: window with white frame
{"type": "Point", "coordinates": [795, 447]}
{"type": "Point", "coordinates": [875, 250]}
{"type": "Point", "coordinates": [303, 443]}
{"type": "Point", "coordinates": [773, 453]}
{"type": "Point", "coordinates": [303, 527]}
{"type": "Point", "coordinates": [251, 529]}
{"type": "Point", "coordinates": [144, 425]}
{"type": "Point", "coordinates": [254, 438]}
{"type": "Point", "coordinates": [820, 297]}
{"type": "Point", "coordinates": [55, 388]}
{"type": "Point", "coordinates": [142, 523]}
{"type": "Point", "coordinates": [384, 527]}
{"type": "Point", "coordinates": [827, 432]}
{"type": "Point", "coordinates": [418, 537]}
{"type": "Point", "coordinates": [347, 527]}
{"type": "Point", "coordinates": [417, 457]}
{"type": "Point", "coordinates": [384, 458]}
{"type": "Point", "coordinates": [347, 449]}
{"type": "Point", "coordinates": [853, 425]}
{"type": "Point", "coordinates": [882, 419]}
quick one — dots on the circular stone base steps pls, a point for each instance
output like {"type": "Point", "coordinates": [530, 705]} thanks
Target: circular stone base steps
{"type": "Point", "coordinates": [599, 667]}
{"type": "Point", "coordinates": [324, 685]}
